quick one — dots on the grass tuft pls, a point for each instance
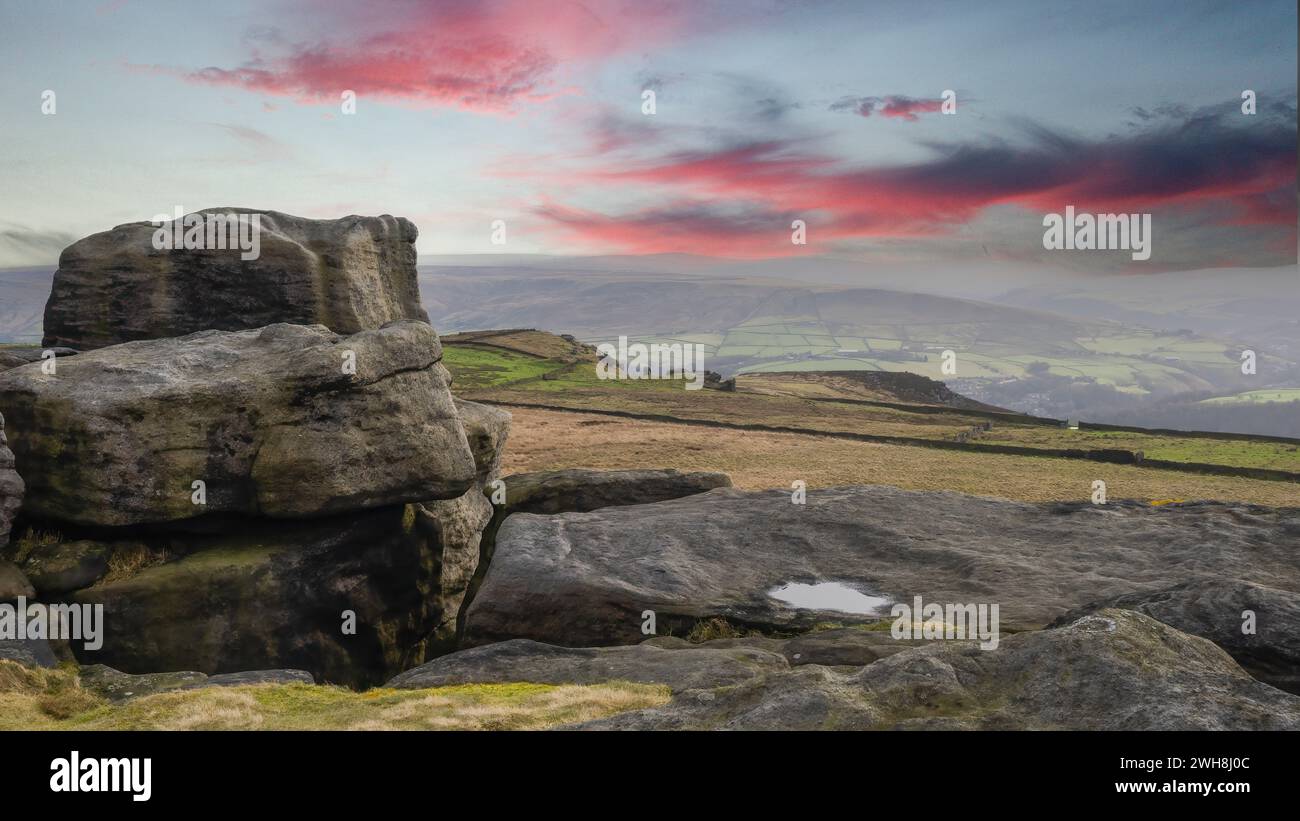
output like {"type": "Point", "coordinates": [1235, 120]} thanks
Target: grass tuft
{"type": "Point", "coordinates": [127, 560]}
{"type": "Point", "coordinates": [717, 628]}
{"type": "Point", "coordinates": [31, 540]}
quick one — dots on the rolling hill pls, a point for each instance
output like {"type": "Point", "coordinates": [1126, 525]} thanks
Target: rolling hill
{"type": "Point", "coordinates": [875, 427]}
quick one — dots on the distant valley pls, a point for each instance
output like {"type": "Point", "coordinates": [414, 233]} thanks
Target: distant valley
{"type": "Point", "coordinates": [1113, 350]}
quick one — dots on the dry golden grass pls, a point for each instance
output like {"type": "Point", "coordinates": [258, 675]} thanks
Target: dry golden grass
{"type": "Point", "coordinates": [127, 560]}
{"type": "Point", "coordinates": [18, 679]}
{"type": "Point", "coordinates": [23, 546]}
{"type": "Point", "coordinates": [34, 699]}
{"type": "Point", "coordinates": [537, 707]}
{"type": "Point", "coordinates": [715, 628]}
{"type": "Point", "coordinates": [548, 440]}
{"type": "Point", "coordinates": [734, 408]}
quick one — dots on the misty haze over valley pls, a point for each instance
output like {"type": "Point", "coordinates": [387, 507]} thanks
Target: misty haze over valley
{"type": "Point", "coordinates": [1155, 350]}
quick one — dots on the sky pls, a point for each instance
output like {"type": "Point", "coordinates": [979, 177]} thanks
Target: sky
{"type": "Point", "coordinates": [532, 112]}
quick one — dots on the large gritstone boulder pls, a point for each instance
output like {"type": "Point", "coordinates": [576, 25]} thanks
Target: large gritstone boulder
{"type": "Point", "coordinates": [349, 274]}
{"type": "Point", "coordinates": [255, 462]}
{"type": "Point", "coordinates": [284, 421]}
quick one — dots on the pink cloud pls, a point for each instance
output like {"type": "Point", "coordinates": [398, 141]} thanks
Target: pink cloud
{"type": "Point", "coordinates": [487, 55]}
{"type": "Point", "coordinates": [893, 106]}
{"type": "Point", "coordinates": [740, 200]}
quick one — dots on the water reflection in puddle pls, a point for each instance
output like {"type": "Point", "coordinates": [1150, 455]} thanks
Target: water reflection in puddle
{"type": "Point", "coordinates": [829, 596]}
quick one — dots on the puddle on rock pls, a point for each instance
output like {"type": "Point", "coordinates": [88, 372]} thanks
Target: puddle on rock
{"type": "Point", "coordinates": [830, 596]}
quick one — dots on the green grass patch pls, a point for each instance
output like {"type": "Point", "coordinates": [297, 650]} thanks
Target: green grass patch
{"type": "Point", "coordinates": [1232, 452]}
{"type": "Point", "coordinates": [1256, 397]}
{"type": "Point", "coordinates": [473, 366]}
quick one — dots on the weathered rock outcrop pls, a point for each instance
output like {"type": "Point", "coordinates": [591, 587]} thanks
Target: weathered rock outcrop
{"type": "Point", "coordinates": [12, 487]}
{"type": "Point", "coordinates": [1114, 670]}
{"type": "Point", "coordinates": [270, 420]}
{"type": "Point", "coordinates": [1258, 626]}
{"type": "Point", "coordinates": [582, 579]}
{"type": "Point", "coordinates": [338, 520]}
{"type": "Point", "coordinates": [350, 274]}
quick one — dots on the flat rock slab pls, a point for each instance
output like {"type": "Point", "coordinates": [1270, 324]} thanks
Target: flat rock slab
{"type": "Point", "coordinates": [270, 420]}
{"type": "Point", "coordinates": [584, 579]}
{"type": "Point", "coordinates": [1111, 670]}
{"type": "Point", "coordinates": [681, 667]}
{"type": "Point", "coordinates": [350, 274]}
